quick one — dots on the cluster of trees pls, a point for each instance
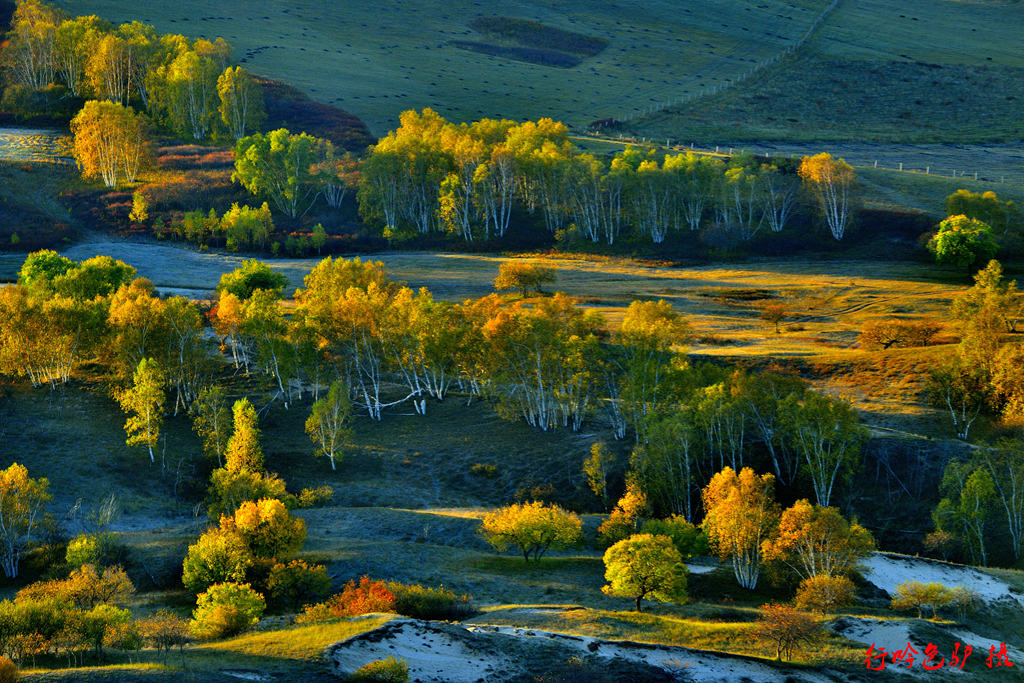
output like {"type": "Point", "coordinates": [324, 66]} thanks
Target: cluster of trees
{"type": "Point", "coordinates": [742, 524]}
{"type": "Point", "coordinates": [983, 375]}
{"type": "Point", "coordinates": [552, 364]}
{"type": "Point", "coordinates": [979, 224]}
{"type": "Point", "coordinates": [186, 85]}
{"type": "Point", "coordinates": [83, 610]}
{"type": "Point", "coordinates": [433, 175]}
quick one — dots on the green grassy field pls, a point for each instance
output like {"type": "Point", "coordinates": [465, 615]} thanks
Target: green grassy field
{"type": "Point", "coordinates": [942, 71]}
{"type": "Point", "coordinates": [377, 59]}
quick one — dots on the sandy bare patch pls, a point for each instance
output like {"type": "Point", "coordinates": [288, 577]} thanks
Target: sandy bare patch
{"type": "Point", "coordinates": [888, 570]}
{"type": "Point", "coordinates": [438, 652]}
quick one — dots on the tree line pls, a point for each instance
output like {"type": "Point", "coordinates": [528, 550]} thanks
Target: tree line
{"type": "Point", "coordinates": [433, 175]}
{"type": "Point", "coordinates": [189, 86]}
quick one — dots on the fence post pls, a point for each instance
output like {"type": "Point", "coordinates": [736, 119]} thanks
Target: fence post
{"type": "Point", "coordinates": [901, 165]}
{"type": "Point", "coordinates": [975, 175]}
{"type": "Point", "coordinates": [927, 170]}
{"type": "Point", "coordinates": [876, 163]}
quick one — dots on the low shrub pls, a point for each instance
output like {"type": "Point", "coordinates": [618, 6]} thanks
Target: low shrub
{"type": "Point", "coordinates": [311, 498]}
{"type": "Point", "coordinates": [8, 670]}
{"type": "Point", "coordinates": [420, 602]}
{"type": "Point", "coordinates": [226, 609]}
{"type": "Point", "coordinates": [297, 583]}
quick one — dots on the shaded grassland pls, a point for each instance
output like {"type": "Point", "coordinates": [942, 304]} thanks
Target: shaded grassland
{"type": "Point", "coordinates": [881, 70]}
{"type": "Point", "coordinates": [377, 59]}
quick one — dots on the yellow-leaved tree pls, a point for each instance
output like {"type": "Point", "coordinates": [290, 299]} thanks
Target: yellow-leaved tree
{"type": "Point", "coordinates": [645, 566]}
{"type": "Point", "coordinates": [532, 528]}
{"type": "Point", "coordinates": [833, 182]}
{"type": "Point", "coordinates": [818, 541]}
{"type": "Point", "coordinates": [740, 515]}
{"type": "Point", "coordinates": [109, 141]}
{"type": "Point", "coordinates": [21, 504]}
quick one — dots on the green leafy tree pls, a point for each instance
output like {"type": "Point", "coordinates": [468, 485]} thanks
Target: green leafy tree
{"type": "Point", "coordinates": [985, 207]}
{"type": "Point", "coordinates": [597, 467]}
{"type": "Point", "coordinates": [963, 242]}
{"type": "Point", "coordinates": [966, 508]}
{"type": "Point", "coordinates": [252, 275]}
{"type": "Point", "coordinates": [241, 101]}
{"type": "Point", "coordinates": [212, 421]}
{"type": "Point", "coordinates": [144, 402]}
{"type": "Point", "coordinates": [645, 566]}
{"type": "Point", "coordinates": [828, 436]}
{"type": "Point", "coordinates": [327, 424]}
{"type": "Point", "coordinates": [532, 528]}
{"type": "Point", "coordinates": [280, 167]}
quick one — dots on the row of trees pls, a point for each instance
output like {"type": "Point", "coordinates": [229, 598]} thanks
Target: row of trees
{"type": "Point", "coordinates": [186, 85]}
{"type": "Point", "coordinates": [430, 174]}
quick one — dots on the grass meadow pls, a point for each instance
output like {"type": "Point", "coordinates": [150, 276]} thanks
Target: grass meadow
{"type": "Point", "coordinates": [880, 70]}
{"type": "Point", "coordinates": [378, 59]}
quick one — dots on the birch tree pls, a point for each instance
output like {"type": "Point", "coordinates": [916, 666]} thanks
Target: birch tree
{"type": "Point", "coordinates": [327, 425]}
{"type": "Point", "coordinates": [740, 514]}
{"type": "Point", "coordinates": [144, 403]}
{"type": "Point", "coordinates": [241, 102]}
{"type": "Point", "coordinates": [21, 505]}
{"type": "Point", "coordinates": [829, 437]}
{"type": "Point", "coordinates": [109, 141]}
{"type": "Point", "coordinates": [833, 183]}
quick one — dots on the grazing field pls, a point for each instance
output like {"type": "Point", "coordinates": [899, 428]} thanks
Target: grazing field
{"type": "Point", "coordinates": [883, 70]}
{"type": "Point", "coordinates": [377, 59]}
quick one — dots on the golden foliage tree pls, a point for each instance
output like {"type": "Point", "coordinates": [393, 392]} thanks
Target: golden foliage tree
{"type": "Point", "coordinates": [109, 142]}
{"type": "Point", "coordinates": [833, 182]}
{"type": "Point", "coordinates": [740, 515]}
{"type": "Point", "coordinates": [532, 528]}
{"type": "Point", "coordinates": [824, 593]}
{"type": "Point", "coordinates": [786, 628]}
{"type": "Point", "coordinates": [818, 541]}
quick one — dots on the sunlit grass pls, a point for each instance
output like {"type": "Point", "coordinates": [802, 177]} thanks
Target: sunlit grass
{"type": "Point", "coordinates": [303, 642]}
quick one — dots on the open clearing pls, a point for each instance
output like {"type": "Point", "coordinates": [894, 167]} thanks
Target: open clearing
{"type": "Point", "coordinates": [375, 59]}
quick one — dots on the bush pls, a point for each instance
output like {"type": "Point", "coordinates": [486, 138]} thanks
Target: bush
{"type": "Point", "coordinates": [217, 556]}
{"type": "Point", "coordinates": [825, 593]}
{"type": "Point", "coordinates": [390, 670]}
{"type": "Point", "coordinates": [364, 597]}
{"type": "Point", "coordinates": [900, 334]}
{"type": "Point", "coordinates": [311, 498]}
{"type": "Point", "coordinates": [689, 539]}
{"type": "Point", "coordinates": [787, 628]}
{"type": "Point", "coordinates": [297, 583]}
{"type": "Point", "coordinates": [8, 670]}
{"type": "Point", "coordinates": [100, 549]}
{"type": "Point", "coordinates": [226, 609]}
{"type": "Point", "coordinates": [420, 602]}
